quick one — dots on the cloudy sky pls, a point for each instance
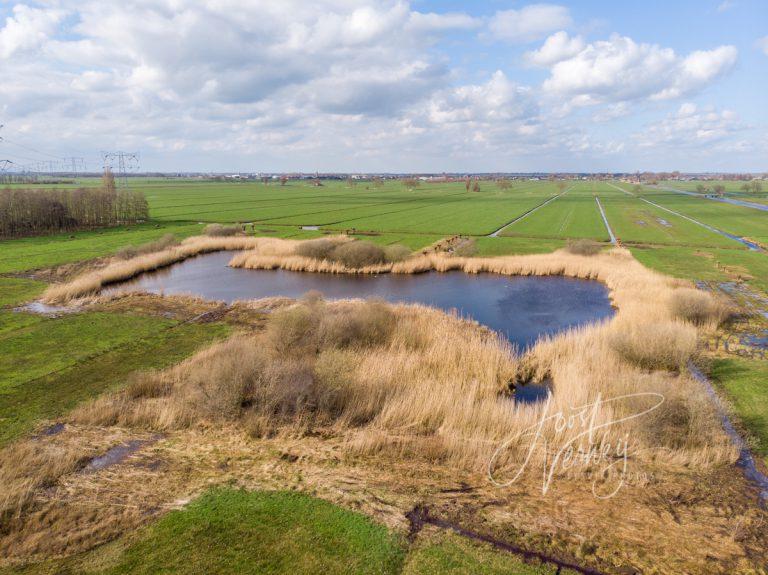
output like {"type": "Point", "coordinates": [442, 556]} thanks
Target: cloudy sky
{"type": "Point", "coordinates": [364, 85]}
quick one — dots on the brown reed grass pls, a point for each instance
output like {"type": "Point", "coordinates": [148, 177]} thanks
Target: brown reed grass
{"type": "Point", "coordinates": [90, 283]}
{"type": "Point", "coordinates": [429, 379]}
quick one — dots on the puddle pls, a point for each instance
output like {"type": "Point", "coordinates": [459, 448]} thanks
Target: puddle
{"type": "Point", "coordinates": [521, 308]}
{"type": "Point", "coordinates": [41, 308]}
{"type": "Point", "coordinates": [54, 429]}
{"type": "Point", "coordinates": [532, 392]}
{"type": "Point", "coordinates": [310, 228]}
{"type": "Point", "coordinates": [664, 222]}
{"type": "Point", "coordinates": [117, 454]}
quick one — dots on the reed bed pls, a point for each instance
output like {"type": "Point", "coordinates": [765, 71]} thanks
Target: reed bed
{"type": "Point", "coordinates": [90, 283]}
{"type": "Point", "coordinates": [412, 381]}
{"type": "Point", "coordinates": [418, 382]}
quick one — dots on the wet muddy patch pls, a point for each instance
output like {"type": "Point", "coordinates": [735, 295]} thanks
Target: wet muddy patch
{"type": "Point", "coordinates": [117, 454]}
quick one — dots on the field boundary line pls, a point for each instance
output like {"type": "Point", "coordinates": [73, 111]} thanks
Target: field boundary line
{"type": "Point", "coordinates": [605, 221]}
{"type": "Point", "coordinates": [731, 201]}
{"type": "Point", "coordinates": [750, 245]}
{"type": "Point", "coordinates": [526, 214]}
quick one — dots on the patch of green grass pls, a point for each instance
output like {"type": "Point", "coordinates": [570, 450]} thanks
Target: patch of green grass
{"type": "Point", "coordinates": [503, 246]}
{"type": "Point", "coordinates": [51, 396]}
{"type": "Point", "coordinates": [745, 382]}
{"type": "Point", "coordinates": [738, 220]}
{"type": "Point", "coordinates": [573, 215]}
{"type": "Point", "coordinates": [58, 343]}
{"type": "Point", "coordinates": [708, 264]}
{"type": "Point", "coordinates": [11, 321]}
{"type": "Point", "coordinates": [239, 532]}
{"type": "Point", "coordinates": [14, 291]}
{"type": "Point", "coordinates": [46, 251]}
{"type": "Point", "coordinates": [451, 555]}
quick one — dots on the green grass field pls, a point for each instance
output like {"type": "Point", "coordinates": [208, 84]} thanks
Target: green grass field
{"type": "Point", "coordinates": [732, 189]}
{"type": "Point", "coordinates": [52, 364]}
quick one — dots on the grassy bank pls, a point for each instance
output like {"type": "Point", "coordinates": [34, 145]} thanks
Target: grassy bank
{"type": "Point", "coordinates": [105, 349]}
{"type": "Point", "coordinates": [745, 384]}
{"type": "Point", "coordinates": [46, 251]}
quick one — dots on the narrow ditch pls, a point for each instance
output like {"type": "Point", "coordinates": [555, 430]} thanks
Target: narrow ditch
{"type": "Point", "coordinates": [746, 461]}
{"type": "Point", "coordinates": [745, 242]}
{"type": "Point", "coordinates": [526, 214]}
{"type": "Point", "coordinates": [605, 221]}
{"type": "Point", "coordinates": [420, 516]}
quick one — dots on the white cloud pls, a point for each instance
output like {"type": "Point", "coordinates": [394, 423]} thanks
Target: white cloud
{"type": "Point", "coordinates": [332, 84]}
{"type": "Point", "coordinates": [431, 22]}
{"type": "Point", "coordinates": [27, 29]}
{"type": "Point", "coordinates": [726, 5]}
{"type": "Point", "coordinates": [559, 46]}
{"type": "Point", "coordinates": [498, 100]}
{"type": "Point", "coordinates": [691, 127]}
{"type": "Point", "coordinates": [619, 69]}
{"type": "Point", "coordinates": [529, 23]}
{"type": "Point", "coordinates": [762, 44]}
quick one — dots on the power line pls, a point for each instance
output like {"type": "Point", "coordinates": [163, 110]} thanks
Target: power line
{"type": "Point", "coordinates": [122, 162]}
{"type": "Point", "coordinates": [31, 149]}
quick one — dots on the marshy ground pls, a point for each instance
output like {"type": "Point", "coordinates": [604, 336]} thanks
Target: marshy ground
{"type": "Point", "coordinates": [363, 429]}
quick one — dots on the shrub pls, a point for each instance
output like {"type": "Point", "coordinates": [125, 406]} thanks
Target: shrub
{"type": "Point", "coordinates": [584, 247]}
{"type": "Point", "coordinates": [218, 230]}
{"type": "Point", "coordinates": [319, 249]}
{"type": "Point", "coordinates": [294, 330]}
{"type": "Point", "coordinates": [396, 253]}
{"type": "Point", "coordinates": [334, 380]}
{"type": "Point", "coordinates": [697, 307]}
{"type": "Point", "coordinates": [667, 345]}
{"type": "Point", "coordinates": [368, 325]}
{"type": "Point", "coordinates": [358, 254]}
{"type": "Point", "coordinates": [165, 242]}
{"type": "Point", "coordinates": [466, 249]}
{"type": "Point", "coordinates": [147, 384]}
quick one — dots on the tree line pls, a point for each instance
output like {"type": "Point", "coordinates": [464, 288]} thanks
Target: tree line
{"type": "Point", "coordinates": [27, 212]}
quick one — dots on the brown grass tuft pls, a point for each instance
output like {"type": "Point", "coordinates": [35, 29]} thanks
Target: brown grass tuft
{"type": "Point", "coordinates": [165, 242]}
{"type": "Point", "coordinates": [698, 307]}
{"type": "Point", "coordinates": [221, 231]}
{"type": "Point", "coordinates": [667, 345]}
{"type": "Point", "coordinates": [584, 247]}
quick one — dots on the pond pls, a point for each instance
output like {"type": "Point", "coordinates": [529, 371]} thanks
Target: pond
{"type": "Point", "coordinates": [521, 308]}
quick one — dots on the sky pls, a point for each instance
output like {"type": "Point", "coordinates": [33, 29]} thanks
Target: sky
{"type": "Point", "coordinates": [388, 85]}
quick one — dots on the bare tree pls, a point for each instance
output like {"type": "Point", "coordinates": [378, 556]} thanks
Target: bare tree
{"type": "Point", "coordinates": [33, 212]}
{"type": "Point", "coordinates": [476, 186]}
{"type": "Point", "coordinates": [719, 189]}
{"type": "Point", "coordinates": [283, 180]}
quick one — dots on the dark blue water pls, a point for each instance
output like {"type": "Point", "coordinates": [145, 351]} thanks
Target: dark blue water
{"type": "Point", "coordinates": [521, 308]}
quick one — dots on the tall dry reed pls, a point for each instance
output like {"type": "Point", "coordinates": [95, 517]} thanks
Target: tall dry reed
{"type": "Point", "coordinates": [425, 382]}
{"type": "Point", "coordinates": [90, 283]}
